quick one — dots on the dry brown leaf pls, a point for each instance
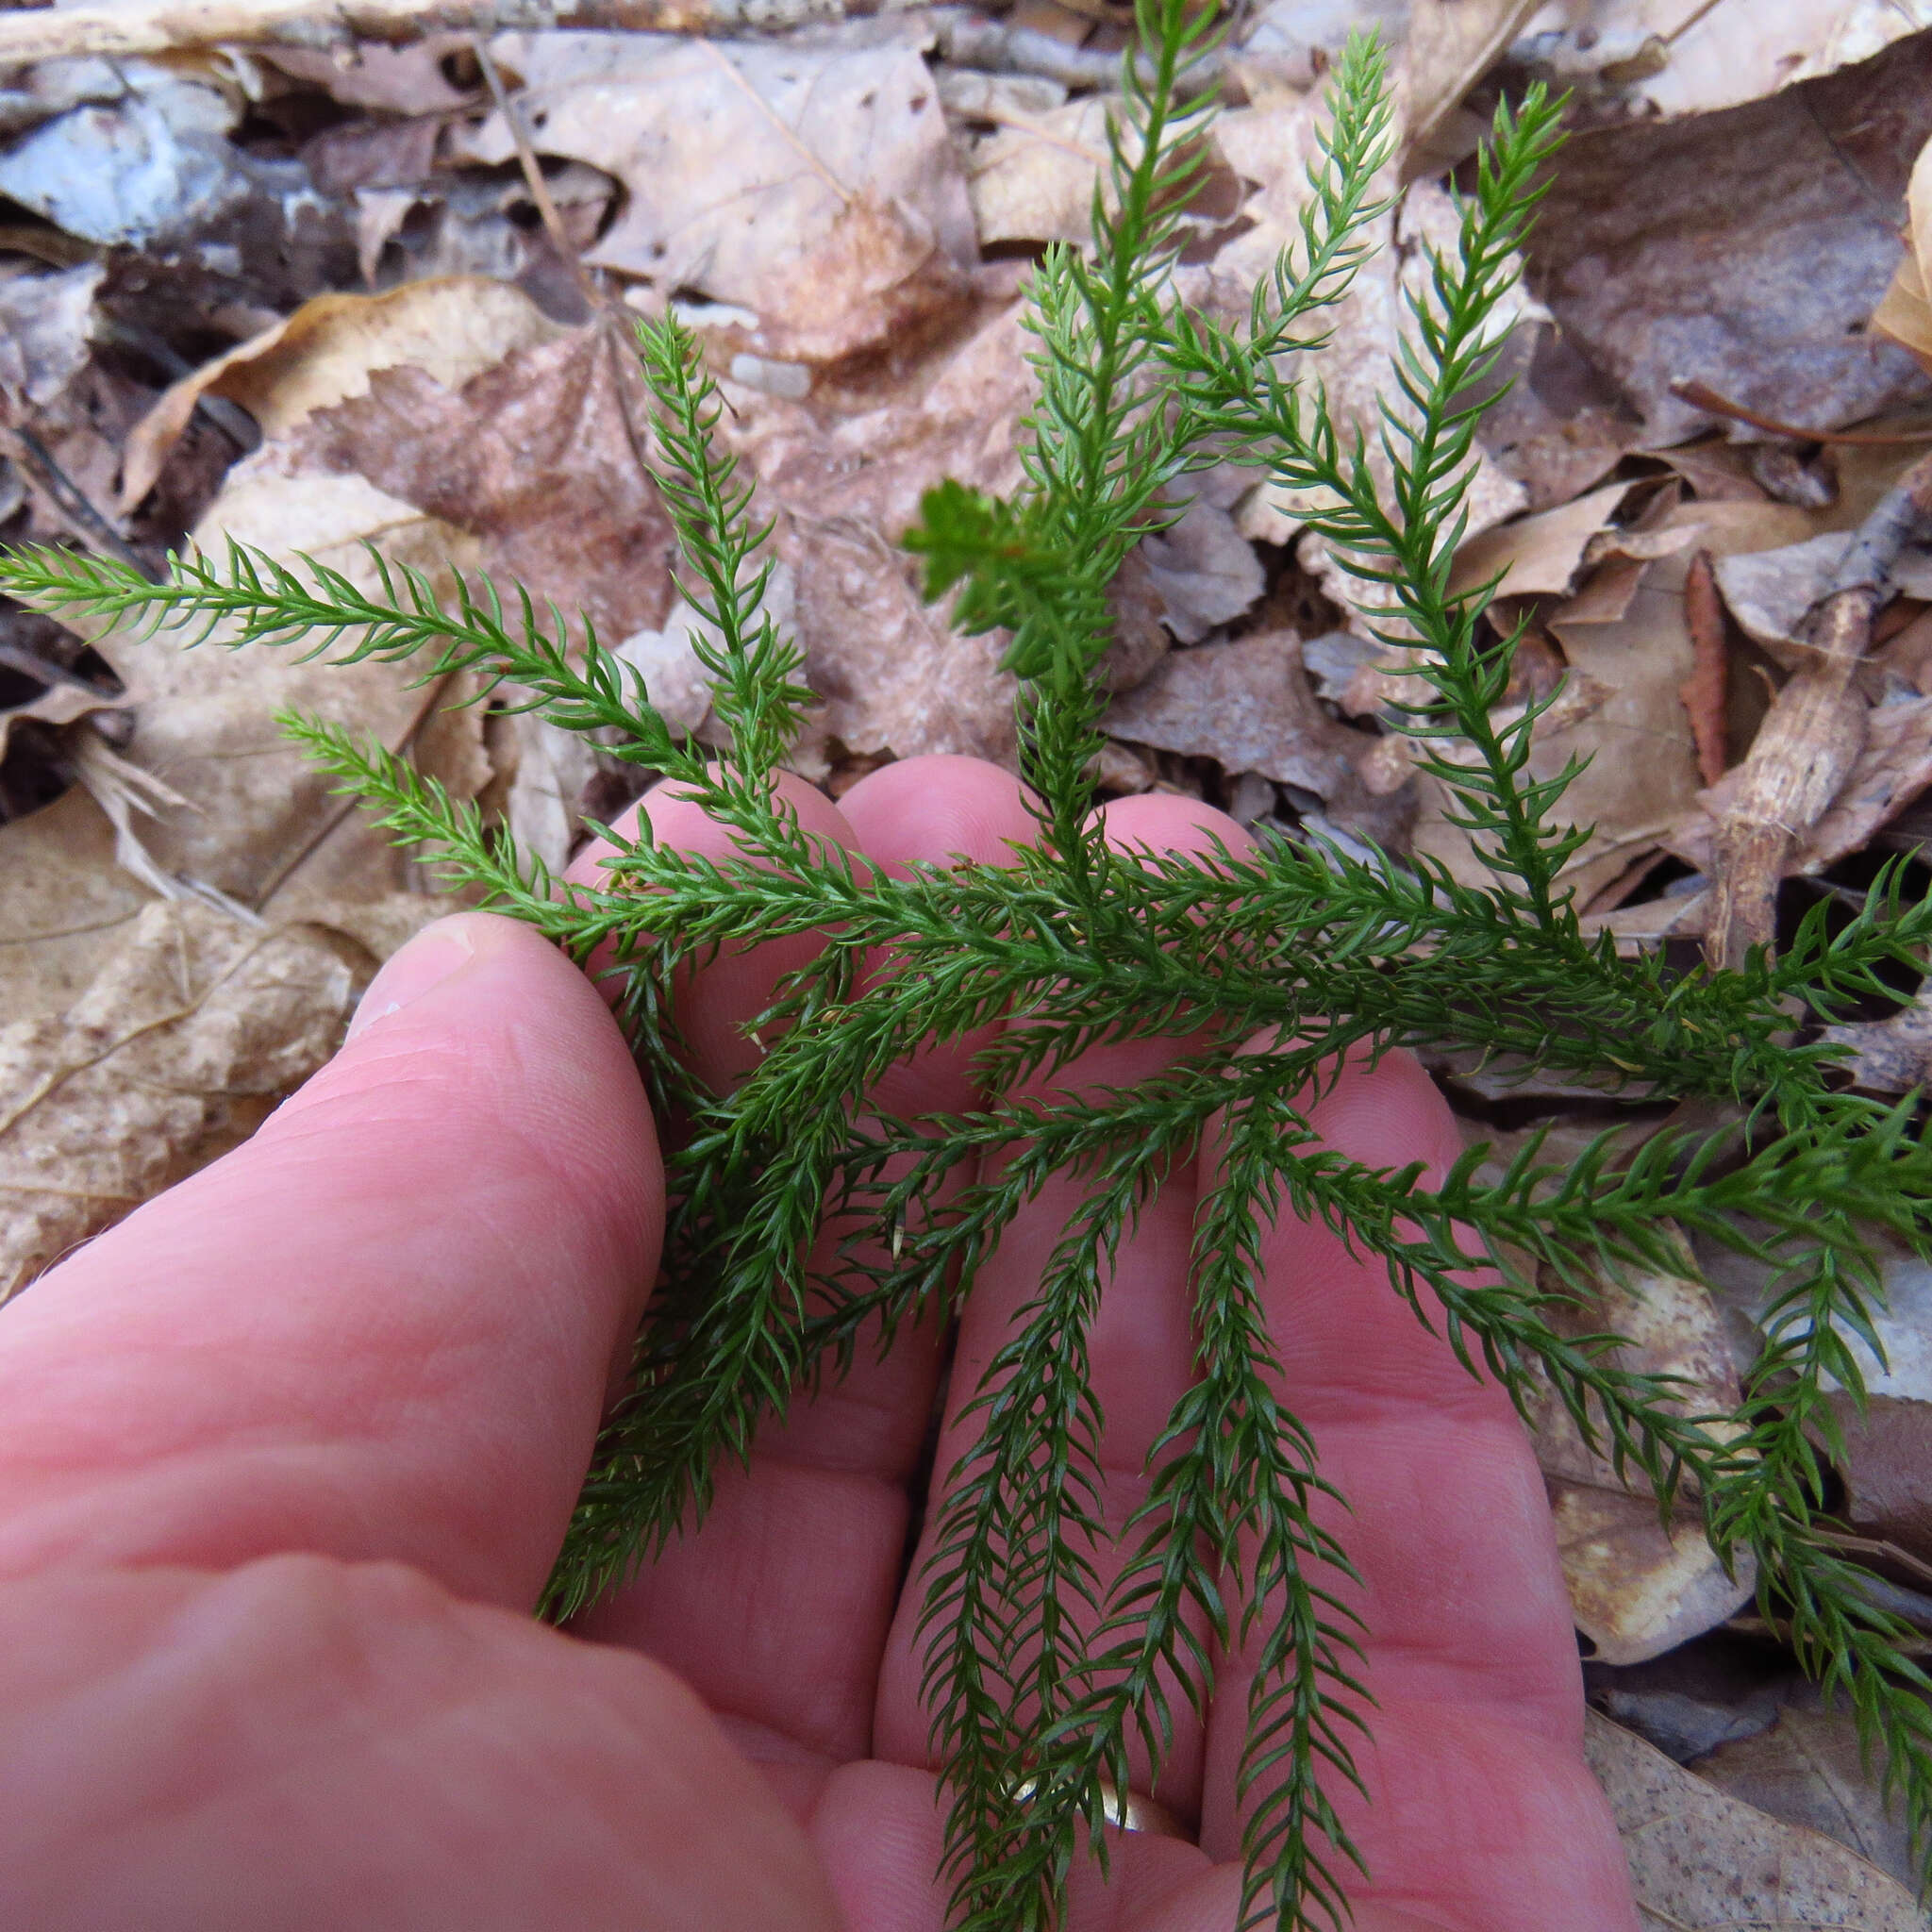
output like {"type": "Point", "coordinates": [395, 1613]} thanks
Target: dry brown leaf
{"type": "Point", "coordinates": [1627, 630]}
{"type": "Point", "coordinates": [1642, 775]}
{"type": "Point", "coordinates": [1451, 46]}
{"type": "Point", "coordinates": [814, 186]}
{"type": "Point", "coordinates": [1690, 251]}
{"type": "Point", "coordinates": [64, 903]}
{"type": "Point", "coordinates": [538, 457]}
{"type": "Point", "coordinates": [329, 350]}
{"type": "Point", "coordinates": [1203, 570]}
{"type": "Point", "coordinates": [1889, 1056]}
{"type": "Point", "coordinates": [58, 703]}
{"type": "Point", "coordinates": [1638, 1588]}
{"type": "Point", "coordinates": [1806, 1769]}
{"type": "Point", "coordinates": [261, 824]}
{"type": "Point", "coordinates": [1249, 706]}
{"type": "Point", "coordinates": [1558, 427]}
{"type": "Point", "coordinates": [1825, 770]}
{"type": "Point", "coordinates": [1905, 315]}
{"type": "Point", "coordinates": [394, 80]}
{"type": "Point", "coordinates": [1702, 1861]}
{"type": "Point", "coordinates": [1887, 1469]}
{"type": "Point", "coordinates": [1537, 554]}
{"type": "Point", "coordinates": [843, 480]}
{"type": "Point", "coordinates": [1643, 929]}
{"type": "Point", "coordinates": [191, 1032]}
{"type": "Point", "coordinates": [1033, 178]}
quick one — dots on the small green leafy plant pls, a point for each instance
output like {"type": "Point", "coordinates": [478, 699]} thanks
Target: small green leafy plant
{"type": "Point", "coordinates": [1317, 953]}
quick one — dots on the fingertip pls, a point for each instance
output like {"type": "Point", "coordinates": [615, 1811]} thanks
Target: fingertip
{"type": "Point", "coordinates": [1390, 1114]}
{"type": "Point", "coordinates": [1160, 821]}
{"type": "Point", "coordinates": [938, 808]}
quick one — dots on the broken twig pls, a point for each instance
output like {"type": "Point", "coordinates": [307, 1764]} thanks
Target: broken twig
{"type": "Point", "coordinates": [160, 26]}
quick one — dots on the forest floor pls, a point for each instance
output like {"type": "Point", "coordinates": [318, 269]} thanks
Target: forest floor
{"type": "Point", "coordinates": [315, 292]}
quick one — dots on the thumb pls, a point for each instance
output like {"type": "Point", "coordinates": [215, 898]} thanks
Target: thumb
{"type": "Point", "coordinates": [381, 1328]}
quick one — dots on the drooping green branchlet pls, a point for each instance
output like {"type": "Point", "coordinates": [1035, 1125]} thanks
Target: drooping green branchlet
{"type": "Point", "coordinates": [1268, 968]}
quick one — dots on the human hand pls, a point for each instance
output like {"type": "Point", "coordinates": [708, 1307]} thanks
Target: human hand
{"type": "Point", "coordinates": [285, 1458]}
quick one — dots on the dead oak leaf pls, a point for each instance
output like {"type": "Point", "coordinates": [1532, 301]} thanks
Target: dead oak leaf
{"type": "Point", "coordinates": [816, 187]}
{"type": "Point", "coordinates": [329, 350]}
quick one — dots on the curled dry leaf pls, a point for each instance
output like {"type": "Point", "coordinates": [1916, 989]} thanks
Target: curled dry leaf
{"type": "Point", "coordinates": [1690, 251]}
{"type": "Point", "coordinates": [1812, 737]}
{"type": "Point", "coordinates": [814, 186]}
{"type": "Point", "coordinates": [1905, 313]}
{"type": "Point", "coordinates": [1657, 59]}
{"type": "Point", "coordinates": [1701, 1858]}
{"type": "Point", "coordinates": [1538, 554]}
{"type": "Point", "coordinates": [1627, 630]}
{"type": "Point", "coordinates": [1202, 569]}
{"type": "Point", "coordinates": [1451, 44]}
{"type": "Point", "coordinates": [185, 1041]}
{"type": "Point", "coordinates": [1639, 1587]}
{"type": "Point", "coordinates": [329, 350]}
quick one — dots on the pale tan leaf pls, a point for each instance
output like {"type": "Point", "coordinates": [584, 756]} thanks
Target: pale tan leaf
{"type": "Point", "coordinates": [1660, 59]}
{"type": "Point", "coordinates": [195, 1027]}
{"type": "Point", "coordinates": [260, 823]}
{"type": "Point", "coordinates": [1637, 1586]}
{"type": "Point", "coordinates": [1452, 45]}
{"type": "Point", "coordinates": [1541, 553]}
{"type": "Point", "coordinates": [1701, 1861]}
{"type": "Point", "coordinates": [65, 902]}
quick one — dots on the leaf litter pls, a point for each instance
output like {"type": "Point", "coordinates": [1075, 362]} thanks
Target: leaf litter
{"type": "Point", "coordinates": [330, 295]}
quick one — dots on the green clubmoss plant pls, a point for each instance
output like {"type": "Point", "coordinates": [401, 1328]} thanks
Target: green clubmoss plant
{"type": "Point", "coordinates": [1316, 951]}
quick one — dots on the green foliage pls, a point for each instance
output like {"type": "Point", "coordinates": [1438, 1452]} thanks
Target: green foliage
{"type": "Point", "coordinates": [1319, 953]}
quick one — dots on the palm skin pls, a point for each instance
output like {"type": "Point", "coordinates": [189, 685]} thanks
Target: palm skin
{"type": "Point", "coordinates": [285, 1458]}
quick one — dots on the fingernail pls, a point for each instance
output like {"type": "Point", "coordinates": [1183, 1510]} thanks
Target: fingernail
{"type": "Point", "coordinates": [426, 961]}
